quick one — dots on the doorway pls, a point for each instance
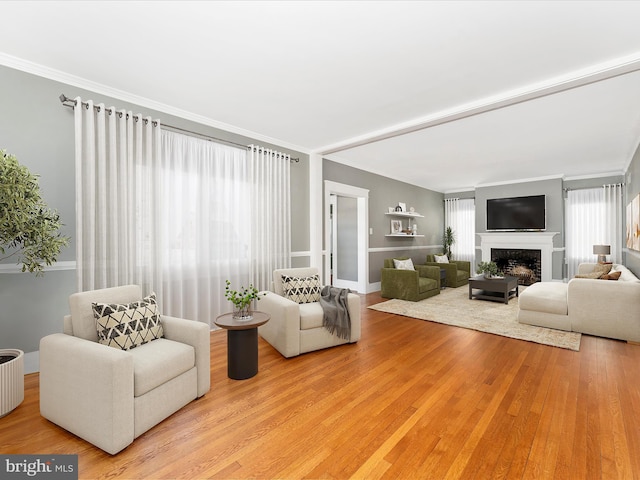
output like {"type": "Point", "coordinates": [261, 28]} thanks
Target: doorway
{"type": "Point", "coordinates": [346, 236]}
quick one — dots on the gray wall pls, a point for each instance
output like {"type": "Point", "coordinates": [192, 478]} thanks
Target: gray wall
{"type": "Point", "coordinates": [552, 189]}
{"type": "Point", "coordinates": [632, 187]}
{"type": "Point", "coordinates": [36, 128]}
{"type": "Point", "coordinates": [384, 193]}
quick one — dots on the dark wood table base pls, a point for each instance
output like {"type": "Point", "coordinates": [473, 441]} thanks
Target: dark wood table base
{"type": "Point", "coordinates": [242, 353]}
{"type": "Point", "coordinates": [242, 344]}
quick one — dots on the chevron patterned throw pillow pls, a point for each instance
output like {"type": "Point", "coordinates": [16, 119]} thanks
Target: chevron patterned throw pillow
{"type": "Point", "coordinates": [302, 289]}
{"type": "Point", "coordinates": [127, 326]}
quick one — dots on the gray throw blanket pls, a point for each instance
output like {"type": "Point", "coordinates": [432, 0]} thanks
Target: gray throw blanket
{"type": "Point", "coordinates": [336, 315]}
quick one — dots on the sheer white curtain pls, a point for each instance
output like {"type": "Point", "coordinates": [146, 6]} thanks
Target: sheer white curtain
{"type": "Point", "coordinates": [614, 215]}
{"type": "Point", "coordinates": [112, 198]}
{"type": "Point", "coordinates": [176, 214]}
{"type": "Point", "coordinates": [460, 215]}
{"type": "Point", "coordinates": [270, 224]}
{"type": "Point", "coordinates": [585, 226]}
{"type": "Point", "coordinates": [204, 200]}
{"type": "Point", "coordinates": [594, 216]}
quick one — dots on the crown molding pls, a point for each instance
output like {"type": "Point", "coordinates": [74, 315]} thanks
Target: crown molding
{"type": "Point", "coordinates": [595, 175]}
{"type": "Point", "coordinates": [63, 77]}
{"type": "Point", "coordinates": [575, 79]}
{"type": "Point", "coordinates": [521, 180]}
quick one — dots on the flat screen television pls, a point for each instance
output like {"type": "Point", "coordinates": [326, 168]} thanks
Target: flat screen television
{"type": "Point", "coordinates": [516, 213]}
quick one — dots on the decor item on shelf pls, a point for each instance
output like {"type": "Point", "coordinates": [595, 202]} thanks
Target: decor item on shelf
{"type": "Point", "coordinates": [602, 251]}
{"type": "Point", "coordinates": [402, 206]}
{"type": "Point", "coordinates": [11, 379]}
{"type": "Point", "coordinates": [241, 300]}
{"type": "Point", "coordinates": [396, 226]}
{"type": "Point", "coordinates": [28, 228]}
{"type": "Point", "coordinates": [488, 269]}
{"type": "Point", "coordinates": [448, 239]}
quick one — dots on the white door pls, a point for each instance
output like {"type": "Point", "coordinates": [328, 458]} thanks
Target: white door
{"type": "Point", "coordinates": [346, 236]}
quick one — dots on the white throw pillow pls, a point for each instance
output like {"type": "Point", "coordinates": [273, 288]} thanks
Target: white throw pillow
{"type": "Point", "coordinates": [403, 264]}
{"type": "Point", "coordinates": [441, 258]}
{"type": "Point", "coordinates": [302, 289]}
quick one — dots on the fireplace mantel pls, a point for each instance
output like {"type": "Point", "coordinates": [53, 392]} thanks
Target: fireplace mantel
{"type": "Point", "coordinates": [542, 241]}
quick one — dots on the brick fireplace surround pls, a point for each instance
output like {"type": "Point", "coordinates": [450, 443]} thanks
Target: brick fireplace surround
{"type": "Point", "coordinates": [542, 241]}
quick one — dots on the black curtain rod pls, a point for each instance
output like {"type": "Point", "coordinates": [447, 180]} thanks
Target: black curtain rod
{"type": "Point", "coordinates": [70, 102]}
{"type": "Point", "coordinates": [567, 189]}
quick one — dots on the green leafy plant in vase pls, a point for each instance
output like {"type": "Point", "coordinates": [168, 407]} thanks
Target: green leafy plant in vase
{"type": "Point", "coordinates": [29, 230]}
{"type": "Point", "coordinates": [448, 239]}
{"type": "Point", "coordinates": [241, 300]}
{"type": "Point", "coordinates": [488, 269]}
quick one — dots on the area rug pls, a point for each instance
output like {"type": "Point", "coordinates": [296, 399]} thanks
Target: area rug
{"type": "Point", "coordinates": [453, 307]}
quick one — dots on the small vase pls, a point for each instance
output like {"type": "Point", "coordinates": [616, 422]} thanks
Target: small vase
{"type": "Point", "coordinates": [488, 275]}
{"type": "Point", "coordinates": [242, 314]}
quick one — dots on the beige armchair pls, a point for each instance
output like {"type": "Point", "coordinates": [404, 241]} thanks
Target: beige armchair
{"type": "Point", "coordinates": [109, 396]}
{"type": "Point", "coordinates": [297, 328]}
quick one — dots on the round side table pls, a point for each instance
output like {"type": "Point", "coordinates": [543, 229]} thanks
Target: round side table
{"type": "Point", "coordinates": [242, 343]}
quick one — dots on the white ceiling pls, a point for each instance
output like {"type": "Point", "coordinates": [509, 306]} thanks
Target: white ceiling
{"type": "Point", "coordinates": [496, 91]}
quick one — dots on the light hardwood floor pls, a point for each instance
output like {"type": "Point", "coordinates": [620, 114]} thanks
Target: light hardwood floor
{"type": "Point", "coordinates": [412, 399]}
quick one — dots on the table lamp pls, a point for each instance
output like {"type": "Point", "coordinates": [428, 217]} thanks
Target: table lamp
{"type": "Point", "coordinates": [602, 251]}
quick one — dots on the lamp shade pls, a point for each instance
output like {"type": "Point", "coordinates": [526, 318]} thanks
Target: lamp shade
{"type": "Point", "coordinates": [602, 249]}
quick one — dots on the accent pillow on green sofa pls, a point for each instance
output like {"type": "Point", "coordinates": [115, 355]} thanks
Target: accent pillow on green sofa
{"type": "Point", "coordinates": [403, 264]}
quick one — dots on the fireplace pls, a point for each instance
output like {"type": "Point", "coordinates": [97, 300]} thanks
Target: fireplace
{"type": "Point", "coordinates": [523, 263]}
{"type": "Point", "coordinates": [512, 241]}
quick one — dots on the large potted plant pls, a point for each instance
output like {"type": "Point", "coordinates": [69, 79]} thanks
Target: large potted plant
{"type": "Point", "coordinates": [448, 239]}
{"type": "Point", "coordinates": [29, 232]}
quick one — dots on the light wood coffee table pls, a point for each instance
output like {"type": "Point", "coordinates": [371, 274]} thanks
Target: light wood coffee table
{"type": "Point", "coordinates": [495, 289]}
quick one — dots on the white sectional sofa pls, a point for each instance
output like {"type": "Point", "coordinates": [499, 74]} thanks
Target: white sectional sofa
{"type": "Point", "coordinates": [605, 308]}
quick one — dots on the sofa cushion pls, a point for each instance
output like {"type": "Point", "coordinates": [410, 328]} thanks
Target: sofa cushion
{"type": "Point", "coordinates": [426, 284]}
{"type": "Point", "coordinates": [403, 264]}
{"type": "Point", "coordinates": [462, 275]}
{"type": "Point", "coordinates": [626, 274]}
{"type": "Point", "coordinates": [592, 275]}
{"type": "Point", "coordinates": [158, 362]}
{"type": "Point", "coordinates": [548, 297]}
{"type": "Point", "coordinates": [311, 315]}
{"type": "Point", "coordinates": [441, 258]}
{"type": "Point", "coordinates": [83, 321]}
{"type": "Point", "coordinates": [301, 289]}
{"type": "Point", "coordinates": [129, 325]}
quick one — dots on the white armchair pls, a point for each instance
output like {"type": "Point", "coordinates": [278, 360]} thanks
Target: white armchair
{"type": "Point", "coordinates": [109, 396]}
{"type": "Point", "coordinates": [297, 328]}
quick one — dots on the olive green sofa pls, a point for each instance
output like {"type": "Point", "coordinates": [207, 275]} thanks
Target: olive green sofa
{"type": "Point", "coordinates": [457, 271]}
{"type": "Point", "coordinates": [412, 285]}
